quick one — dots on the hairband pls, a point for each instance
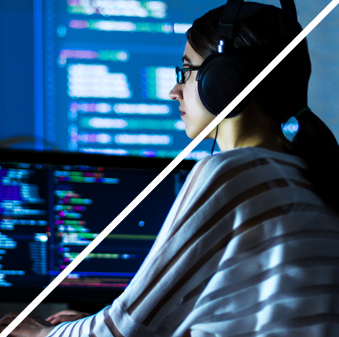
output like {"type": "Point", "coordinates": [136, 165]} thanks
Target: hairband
{"type": "Point", "coordinates": [299, 113]}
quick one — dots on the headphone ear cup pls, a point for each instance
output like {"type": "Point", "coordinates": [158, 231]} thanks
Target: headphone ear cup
{"type": "Point", "coordinates": [221, 78]}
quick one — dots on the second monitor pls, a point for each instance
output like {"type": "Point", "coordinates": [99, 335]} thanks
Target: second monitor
{"type": "Point", "coordinates": [53, 205]}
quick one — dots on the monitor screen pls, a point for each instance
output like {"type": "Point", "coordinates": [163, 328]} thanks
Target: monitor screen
{"type": "Point", "coordinates": [51, 209]}
{"type": "Point", "coordinates": [108, 68]}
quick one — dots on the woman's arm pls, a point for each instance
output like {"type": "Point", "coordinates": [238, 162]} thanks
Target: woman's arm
{"type": "Point", "coordinates": [100, 324]}
{"type": "Point", "coordinates": [29, 327]}
{"type": "Point", "coordinates": [66, 316]}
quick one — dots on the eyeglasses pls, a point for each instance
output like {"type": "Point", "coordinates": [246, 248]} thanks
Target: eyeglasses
{"type": "Point", "coordinates": [183, 74]}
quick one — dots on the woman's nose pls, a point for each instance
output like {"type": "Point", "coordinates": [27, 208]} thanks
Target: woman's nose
{"type": "Point", "coordinates": [176, 92]}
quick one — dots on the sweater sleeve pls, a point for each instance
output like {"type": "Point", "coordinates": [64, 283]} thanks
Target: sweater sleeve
{"type": "Point", "coordinates": [100, 324]}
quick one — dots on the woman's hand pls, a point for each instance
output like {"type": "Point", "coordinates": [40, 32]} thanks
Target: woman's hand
{"type": "Point", "coordinates": [66, 316]}
{"type": "Point", "coordinates": [29, 327]}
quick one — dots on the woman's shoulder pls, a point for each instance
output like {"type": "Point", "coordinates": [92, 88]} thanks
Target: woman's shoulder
{"type": "Point", "coordinates": [231, 160]}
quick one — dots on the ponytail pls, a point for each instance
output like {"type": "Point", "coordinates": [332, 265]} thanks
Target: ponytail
{"type": "Point", "coordinates": [316, 144]}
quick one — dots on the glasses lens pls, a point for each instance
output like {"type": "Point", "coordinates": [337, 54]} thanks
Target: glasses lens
{"type": "Point", "coordinates": [179, 75]}
{"type": "Point", "coordinates": [187, 75]}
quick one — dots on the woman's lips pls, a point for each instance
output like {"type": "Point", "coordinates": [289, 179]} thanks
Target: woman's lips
{"type": "Point", "coordinates": [182, 113]}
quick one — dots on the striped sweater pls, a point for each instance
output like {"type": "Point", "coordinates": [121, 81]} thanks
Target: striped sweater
{"type": "Point", "coordinates": [247, 249]}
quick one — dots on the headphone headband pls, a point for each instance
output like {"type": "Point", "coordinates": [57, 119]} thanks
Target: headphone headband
{"type": "Point", "coordinates": [228, 19]}
{"type": "Point", "coordinates": [233, 11]}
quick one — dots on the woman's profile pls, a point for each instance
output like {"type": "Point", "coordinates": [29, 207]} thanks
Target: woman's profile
{"type": "Point", "coordinates": [250, 246]}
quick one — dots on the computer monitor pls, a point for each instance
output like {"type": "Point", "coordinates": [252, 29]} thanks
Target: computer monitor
{"type": "Point", "coordinates": [107, 69]}
{"type": "Point", "coordinates": [52, 205]}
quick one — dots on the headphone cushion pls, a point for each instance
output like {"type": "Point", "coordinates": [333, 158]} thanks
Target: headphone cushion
{"type": "Point", "coordinates": [221, 78]}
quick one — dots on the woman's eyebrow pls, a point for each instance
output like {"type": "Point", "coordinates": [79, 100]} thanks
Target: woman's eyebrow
{"type": "Point", "coordinates": [186, 58]}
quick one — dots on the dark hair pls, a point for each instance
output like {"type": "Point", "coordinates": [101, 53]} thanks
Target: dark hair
{"type": "Point", "coordinates": [284, 91]}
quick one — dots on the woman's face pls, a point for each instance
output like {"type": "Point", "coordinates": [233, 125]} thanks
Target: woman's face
{"type": "Point", "coordinates": [195, 116]}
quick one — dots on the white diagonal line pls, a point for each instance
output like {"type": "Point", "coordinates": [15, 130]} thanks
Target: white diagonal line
{"type": "Point", "coordinates": [167, 170]}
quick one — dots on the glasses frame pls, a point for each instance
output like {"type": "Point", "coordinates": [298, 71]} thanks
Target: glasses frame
{"type": "Point", "coordinates": [182, 71]}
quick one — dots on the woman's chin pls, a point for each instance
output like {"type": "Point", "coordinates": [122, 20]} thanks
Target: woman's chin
{"type": "Point", "coordinates": [190, 134]}
{"type": "Point", "coordinates": [193, 135]}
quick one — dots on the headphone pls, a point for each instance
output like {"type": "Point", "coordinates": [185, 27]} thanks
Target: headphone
{"type": "Point", "coordinates": [224, 75]}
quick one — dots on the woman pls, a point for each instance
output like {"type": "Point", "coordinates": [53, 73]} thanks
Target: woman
{"type": "Point", "coordinates": [251, 244]}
